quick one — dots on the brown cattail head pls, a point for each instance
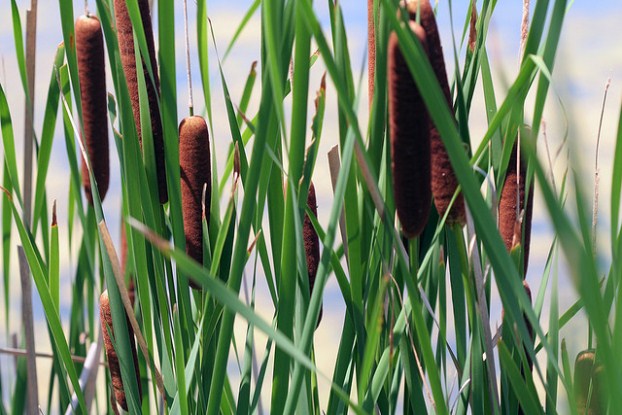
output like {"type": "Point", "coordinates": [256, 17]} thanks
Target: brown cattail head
{"type": "Point", "coordinates": [113, 360]}
{"type": "Point", "coordinates": [588, 370]}
{"type": "Point", "coordinates": [371, 50]}
{"type": "Point", "coordinates": [512, 220]}
{"type": "Point", "coordinates": [444, 181]}
{"type": "Point", "coordinates": [194, 160]}
{"type": "Point", "coordinates": [128, 59]}
{"type": "Point", "coordinates": [410, 141]}
{"type": "Point", "coordinates": [92, 74]}
{"type": "Point", "coordinates": [472, 29]}
{"type": "Point", "coordinates": [312, 243]}
{"type": "Point", "coordinates": [131, 286]}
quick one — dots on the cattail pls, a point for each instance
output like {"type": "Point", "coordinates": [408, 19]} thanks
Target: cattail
{"type": "Point", "coordinates": [444, 181]}
{"type": "Point", "coordinates": [410, 141]}
{"type": "Point", "coordinates": [588, 370]}
{"type": "Point", "coordinates": [512, 220]}
{"type": "Point", "coordinates": [194, 160]}
{"type": "Point", "coordinates": [113, 360]}
{"type": "Point", "coordinates": [92, 74]}
{"type": "Point", "coordinates": [312, 243]}
{"type": "Point", "coordinates": [131, 286]}
{"type": "Point", "coordinates": [472, 29]}
{"type": "Point", "coordinates": [128, 59]}
{"type": "Point", "coordinates": [371, 50]}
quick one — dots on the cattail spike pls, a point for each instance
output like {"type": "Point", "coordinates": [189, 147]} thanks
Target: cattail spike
{"type": "Point", "coordinates": [194, 161]}
{"type": "Point", "coordinates": [312, 243]}
{"type": "Point", "coordinates": [410, 141]}
{"type": "Point", "coordinates": [92, 75]}
{"type": "Point", "coordinates": [472, 29]}
{"type": "Point", "coordinates": [588, 370]}
{"type": "Point", "coordinates": [131, 286]}
{"type": "Point", "coordinates": [444, 181]}
{"type": "Point", "coordinates": [515, 217]}
{"type": "Point", "coordinates": [113, 359]}
{"type": "Point", "coordinates": [128, 59]}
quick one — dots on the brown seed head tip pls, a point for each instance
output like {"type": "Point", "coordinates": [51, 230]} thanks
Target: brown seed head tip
{"type": "Point", "coordinates": [473, 29]}
{"type": "Point", "coordinates": [195, 164]}
{"type": "Point", "coordinates": [410, 141]}
{"type": "Point", "coordinates": [527, 289]}
{"type": "Point", "coordinates": [92, 75]}
{"type": "Point", "coordinates": [54, 220]}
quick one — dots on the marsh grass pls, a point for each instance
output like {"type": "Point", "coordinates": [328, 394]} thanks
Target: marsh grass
{"type": "Point", "coordinates": [417, 313]}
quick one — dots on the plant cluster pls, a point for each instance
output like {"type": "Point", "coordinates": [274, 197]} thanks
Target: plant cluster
{"type": "Point", "coordinates": [418, 238]}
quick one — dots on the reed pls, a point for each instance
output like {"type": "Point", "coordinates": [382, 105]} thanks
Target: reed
{"type": "Point", "coordinates": [194, 161]}
{"type": "Point", "coordinates": [444, 181]}
{"type": "Point", "coordinates": [410, 141]}
{"type": "Point", "coordinates": [128, 59]}
{"type": "Point", "coordinates": [92, 74]}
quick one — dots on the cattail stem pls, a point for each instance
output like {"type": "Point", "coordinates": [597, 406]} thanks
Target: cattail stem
{"type": "Point", "coordinates": [92, 75]}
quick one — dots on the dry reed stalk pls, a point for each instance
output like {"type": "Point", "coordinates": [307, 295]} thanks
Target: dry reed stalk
{"type": "Point", "coordinates": [113, 360]}
{"type": "Point", "coordinates": [128, 60]}
{"type": "Point", "coordinates": [312, 243]}
{"type": "Point", "coordinates": [512, 220]}
{"type": "Point", "coordinates": [92, 75]}
{"type": "Point", "coordinates": [444, 181]}
{"type": "Point", "coordinates": [194, 161]}
{"type": "Point", "coordinates": [588, 370]}
{"type": "Point", "coordinates": [371, 51]}
{"type": "Point", "coordinates": [410, 141]}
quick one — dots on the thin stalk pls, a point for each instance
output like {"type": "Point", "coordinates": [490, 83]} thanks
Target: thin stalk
{"type": "Point", "coordinates": [26, 283]}
{"type": "Point", "coordinates": [188, 70]}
